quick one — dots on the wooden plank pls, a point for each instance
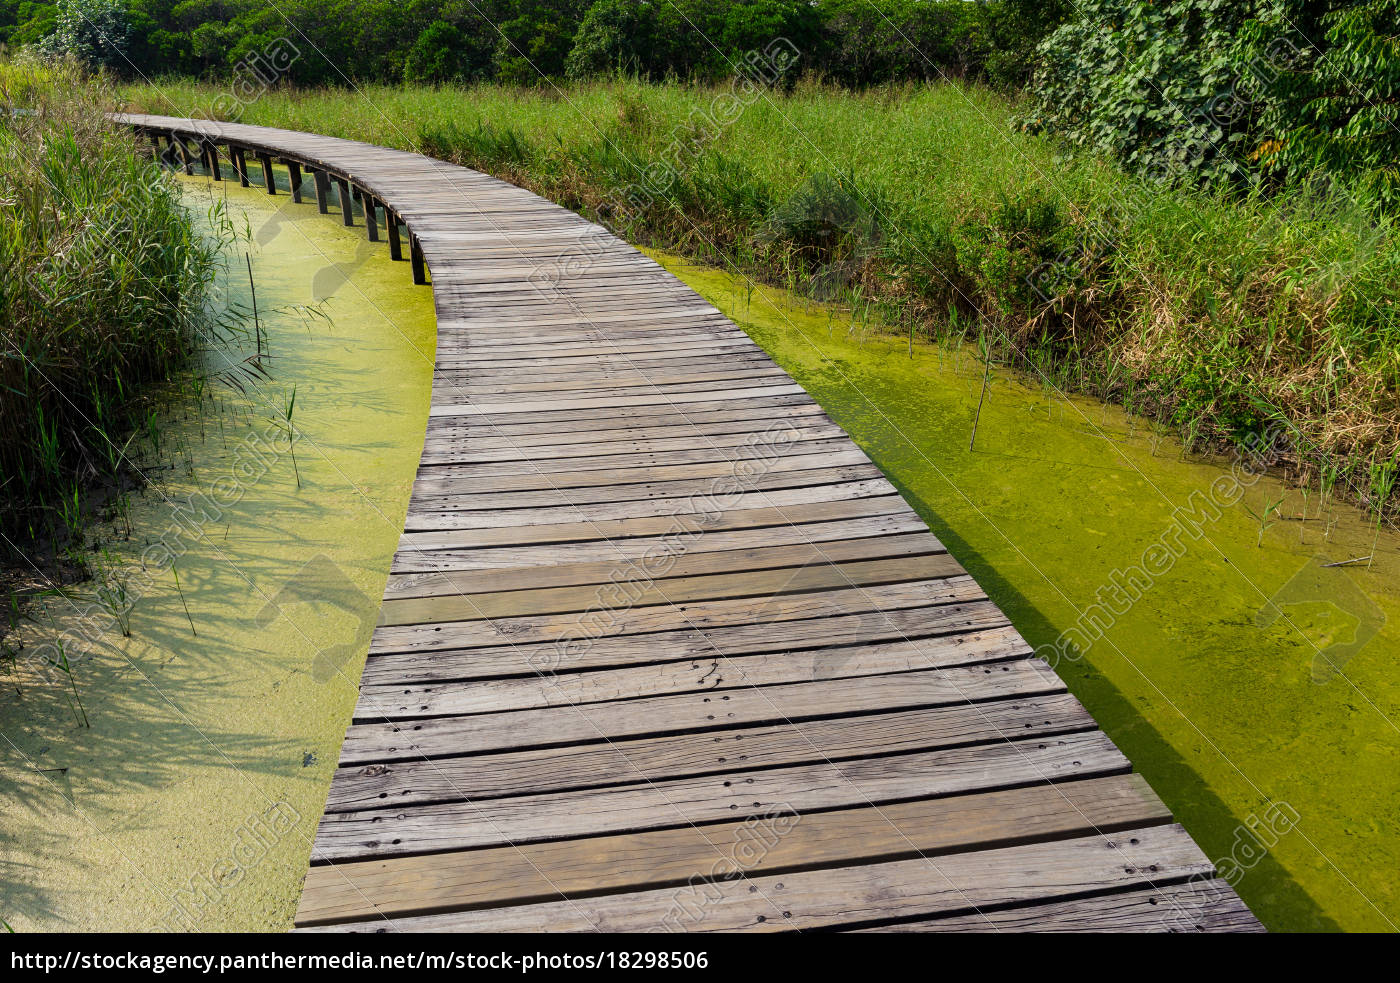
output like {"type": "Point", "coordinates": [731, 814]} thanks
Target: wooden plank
{"type": "Point", "coordinates": [752, 450]}
{"type": "Point", "coordinates": [723, 482]}
{"type": "Point", "coordinates": [851, 896]}
{"type": "Point", "coordinates": [614, 763]}
{"type": "Point", "coordinates": [717, 798]}
{"type": "Point", "coordinates": [1199, 905]}
{"type": "Point", "coordinates": [756, 584]}
{"type": "Point", "coordinates": [501, 518]}
{"type": "Point", "coordinates": [746, 473]}
{"type": "Point", "coordinates": [945, 635]}
{"type": "Point", "coordinates": [687, 534]}
{"type": "Point", "coordinates": [617, 621]}
{"type": "Point", "coordinates": [710, 674]}
{"type": "Point", "coordinates": [703, 516]}
{"type": "Point", "coordinates": [407, 738]}
{"type": "Point", "coordinates": [516, 875]}
{"type": "Point", "coordinates": [629, 416]}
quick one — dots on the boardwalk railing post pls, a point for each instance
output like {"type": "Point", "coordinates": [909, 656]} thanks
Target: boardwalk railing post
{"type": "Point", "coordinates": [268, 180]}
{"type": "Point", "coordinates": [323, 190]}
{"type": "Point", "coordinates": [416, 254]}
{"type": "Point", "coordinates": [294, 175]}
{"type": "Point", "coordinates": [240, 164]}
{"type": "Point", "coordinates": [347, 203]}
{"type": "Point", "coordinates": [371, 219]}
{"type": "Point", "coordinates": [391, 223]}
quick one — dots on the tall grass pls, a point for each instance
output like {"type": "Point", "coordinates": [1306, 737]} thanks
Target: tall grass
{"type": "Point", "coordinates": [103, 290]}
{"type": "Point", "coordinates": [1223, 317]}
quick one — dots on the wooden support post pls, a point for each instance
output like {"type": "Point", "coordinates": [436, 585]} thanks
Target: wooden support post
{"type": "Point", "coordinates": [155, 145]}
{"type": "Point", "coordinates": [269, 181]}
{"type": "Point", "coordinates": [240, 163]}
{"type": "Point", "coordinates": [416, 252]}
{"type": "Point", "coordinates": [391, 223]}
{"type": "Point", "coordinates": [186, 158]}
{"type": "Point", "coordinates": [214, 170]}
{"type": "Point", "coordinates": [323, 190]}
{"type": "Point", "coordinates": [371, 219]}
{"type": "Point", "coordinates": [347, 204]}
{"type": "Point", "coordinates": [294, 174]}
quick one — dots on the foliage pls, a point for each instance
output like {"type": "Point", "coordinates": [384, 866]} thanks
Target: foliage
{"type": "Point", "coordinates": [1142, 83]}
{"type": "Point", "coordinates": [442, 53]}
{"type": "Point", "coordinates": [102, 281]}
{"type": "Point", "coordinates": [1271, 92]}
{"type": "Point", "coordinates": [96, 32]}
{"type": "Point", "coordinates": [1328, 91]}
{"type": "Point", "coordinates": [859, 42]}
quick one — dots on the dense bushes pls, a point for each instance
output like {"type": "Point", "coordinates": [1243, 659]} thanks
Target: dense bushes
{"type": "Point", "coordinates": [857, 42]}
{"type": "Point", "coordinates": [1270, 92]}
{"type": "Point", "coordinates": [102, 281]}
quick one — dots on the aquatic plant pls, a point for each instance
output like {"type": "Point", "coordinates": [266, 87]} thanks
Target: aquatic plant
{"type": "Point", "coordinates": [103, 296]}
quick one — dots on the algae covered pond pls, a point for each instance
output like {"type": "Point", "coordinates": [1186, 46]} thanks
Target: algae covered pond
{"type": "Point", "coordinates": [1257, 689]}
{"type": "Point", "coordinates": [191, 800]}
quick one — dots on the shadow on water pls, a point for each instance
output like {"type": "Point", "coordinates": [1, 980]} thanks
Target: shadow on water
{"type": "Point", "coordinates": [191, 799]}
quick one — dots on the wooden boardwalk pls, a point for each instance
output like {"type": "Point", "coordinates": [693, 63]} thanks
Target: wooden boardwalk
{"type": "Point", "coordinates": [662, 648]}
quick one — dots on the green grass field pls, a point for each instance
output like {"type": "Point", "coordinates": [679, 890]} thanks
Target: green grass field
{"type": "Point", "coordinates": [930, 210]}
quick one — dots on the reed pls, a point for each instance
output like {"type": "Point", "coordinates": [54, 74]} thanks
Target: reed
{"type": "Point", "coordinates": [103, 297]}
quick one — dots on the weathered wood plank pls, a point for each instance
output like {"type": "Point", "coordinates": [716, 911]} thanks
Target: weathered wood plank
{"type": "Point", "coordinates": [479, 777]}
{"type": "Point", "coordinates": [408, 738]}
{"type": "Point", "coordinates": [499, 518]}
{"type": "Point", "coordinates": [516, 875]}
{"type": "Point", "coordinates": [758, 584]}
{"type": "Point", "coordinates": [615, 622]}
{"type": "Point", "coordinates": [1199, 905]}
{"type": "Point", "coordinates": [732, 795]}
{"type": "Point", "coordinates": [848, 896]}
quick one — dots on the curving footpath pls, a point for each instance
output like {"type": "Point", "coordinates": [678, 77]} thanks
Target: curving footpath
{"type": "Point", "coordinates": [661, 648]}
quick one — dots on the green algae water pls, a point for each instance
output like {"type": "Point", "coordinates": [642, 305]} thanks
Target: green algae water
{"type": "Point", "coordinates": [1256, 688]}
{"type": "Point", "coordinates": [191, 800]}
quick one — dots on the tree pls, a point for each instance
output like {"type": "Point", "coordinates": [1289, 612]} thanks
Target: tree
{"type": "Point", "coordinates": [441, 54]}
{"type": "Point", "coordinates": [616, 35]}
{"type": "Point", "coordinates": [93, 31]}
{"type": "Point", "coordinates": [1325, 84]}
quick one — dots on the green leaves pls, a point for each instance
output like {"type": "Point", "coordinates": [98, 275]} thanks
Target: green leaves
{"type": "Point", "coordinates": [1215, 93]}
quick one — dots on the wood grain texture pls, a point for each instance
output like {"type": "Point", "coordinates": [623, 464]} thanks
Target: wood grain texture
{"type": "Point", "coordinates": [855, 895]}
{"type": "Point", "coordinates": [661, 647]}
{"type": "Point", "coordinates": [630, 862]}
